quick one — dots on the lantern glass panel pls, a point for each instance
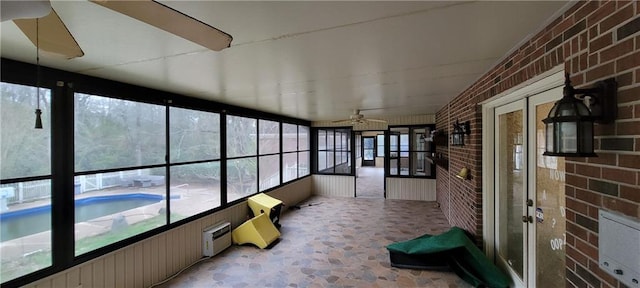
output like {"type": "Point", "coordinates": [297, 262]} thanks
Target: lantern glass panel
{"type": "Point", "coordinates": [549, 136]}
{"type": "Point", "coordinates": [567, 132]}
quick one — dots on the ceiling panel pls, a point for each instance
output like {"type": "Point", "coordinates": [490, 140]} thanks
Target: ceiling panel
{"type": "Point", "coordinates": [311, 60]}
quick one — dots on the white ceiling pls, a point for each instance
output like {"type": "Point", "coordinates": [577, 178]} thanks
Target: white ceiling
{"type": "Point", "coordinates": [310, 60]}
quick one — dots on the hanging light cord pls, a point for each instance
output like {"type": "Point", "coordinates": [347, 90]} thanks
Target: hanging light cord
{"type": "Point", "coordinates": [38, 111]}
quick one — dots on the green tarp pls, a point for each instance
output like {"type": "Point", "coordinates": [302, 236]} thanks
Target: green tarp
{"type": "Point", "coordinates": [464, 258]}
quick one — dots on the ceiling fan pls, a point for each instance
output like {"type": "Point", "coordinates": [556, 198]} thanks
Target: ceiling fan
{"type": "Point", "coordinates": [50, 33]}
{"type": "Point", "coordinates": [357, 118]}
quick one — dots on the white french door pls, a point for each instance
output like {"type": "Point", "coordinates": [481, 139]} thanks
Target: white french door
{"type": "Point", "coordinates": [528, 220]}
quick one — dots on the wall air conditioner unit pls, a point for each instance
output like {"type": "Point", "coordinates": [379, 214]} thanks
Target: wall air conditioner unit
{"type": "Point", "coordinates": [216, 238]}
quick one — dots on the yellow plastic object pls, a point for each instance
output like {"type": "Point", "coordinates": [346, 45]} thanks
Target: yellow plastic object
{"type": "Point", "coordinates": [262, 203]}
{"type": "Point", "coordinates": [258, 230]}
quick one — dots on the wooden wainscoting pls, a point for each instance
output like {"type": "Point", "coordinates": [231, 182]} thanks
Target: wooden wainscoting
{"type": "Point", "coordinates": [411, 189]}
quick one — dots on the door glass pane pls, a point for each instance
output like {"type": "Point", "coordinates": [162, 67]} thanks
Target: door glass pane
{"type": "Point", "coordinates": [511, 190]}
{"type": "Point", "coordinates": [368, 148]}
{"type": "Point", "coordinates": [550, 213]}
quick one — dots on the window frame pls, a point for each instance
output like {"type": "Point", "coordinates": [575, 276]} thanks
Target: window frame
{"type": "Point", "coordinates": [430, 147]}
{"type": "Point", "coordinates": [343, 133]}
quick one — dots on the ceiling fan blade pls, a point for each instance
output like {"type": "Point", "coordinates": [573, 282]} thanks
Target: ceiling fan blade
{"type": "Point", "coordinates": [10, 10]}
{"type": "Point", "coordinates": [53, 36]}
{"type": "Point", "coordinates": [340, 121]}
{"type": "Point", "coordinates": [172, 21]}
{"type": "Point", "coordinates": [376, 120]}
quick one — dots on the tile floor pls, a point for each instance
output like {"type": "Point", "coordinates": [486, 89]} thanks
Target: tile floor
{"type": "Point", "coordinates": [330, 242]}
{"type": "Point", "coordinates": [370, 182]}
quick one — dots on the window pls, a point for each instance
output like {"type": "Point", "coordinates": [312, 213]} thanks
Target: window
{"type": "Point", "coordinates": [380, 144]}
{"type": "Point", "coordinates": [25, 181]}
{"type": "Point", "coordinates": [408, 152]}
{"type": "Point", "coordinates": [303, 151]}
{"type": "Point", "coordinates": [295, 141]}
{"type": "Point", "coordinates": [334, 151]}
{"type": "Point", "coordinates": [194, 147]}
{"type": "Point", "coordinates": [119, 170]}
{"type": "Point", "coordinates": [242, 172]}
{"type": "Point", "coordinates": [269, 146]}
{"type": "Point", "coordinates": [126, 167]}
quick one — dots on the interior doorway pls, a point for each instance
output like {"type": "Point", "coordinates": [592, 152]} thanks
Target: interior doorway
{"type": "Point", "coordinates": [370, 166]}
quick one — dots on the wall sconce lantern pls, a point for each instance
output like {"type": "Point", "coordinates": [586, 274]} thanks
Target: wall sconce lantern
{"type": "Point", "coordinates": [463, 174]}
{"type": "Point", "coordinates": [569, 125]}
{"type": "Point", "coordinates": [459, 130]}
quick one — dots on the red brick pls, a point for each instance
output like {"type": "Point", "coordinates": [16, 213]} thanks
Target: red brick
{"type": "Point", "coordinates": [636, 110]}
{"type": "Point", "coordinates": [586, 170]}
{"type": "Point", "coordinates": [600, 72]}
{"type": "Point", "coordinates": [628, 128]}
{"type": "Point", "coordinates": [619, 175]}
{"type": "Point", "coordinates": [600, 42]}
{"type": "Point", "coordinates": [589, 197]}
{"type": "Point", "coordinates": [624, 207]}
{"type": "Point", "coordinates": [630, 193]}
{"type": "Point", "coordinates": [583, 61]}
{"type": "Point", "coordinates": [630, 161]}
{"type": "Point", "coordinates": [602, 12]}
{"type": "Point", "coordinates": [586, 9]}
{"type": "Point", "coordinates": [629, 95]}
{"type": "Point", "coordinates": [628, 62]}
{"type": "Point", "coordinates": [562, 26]}
{"type": "Point", "coordinates": [570, 215]}
{"type": "Point", "coordinates": [576, 181]}
{"type": "Point", "coordinates": [579, 207]}
{"type": "Point", "coordinates": [574, 46]}
{"type": "Point", "coordinates": [576, 256]}
{"type": "Point", "coordinates": [586, 249]}
{"type": "Point", "coordinates": [593, 212]}
{"type": "Point", "coordinates": [617, 18]}
{"type": "Point", "coordinates": [604, 129]}
{"type": "Point", "coordinates": [604, 158]}
{"type": "Point", "coordinates": [576, 230]}
{"type": "Point", "coordinates": [616, 51]}
{"type": "Point", "coordinates": [637, 144]}
{"type": "Point", "coordinates": [593, 239]}
{"type": "Point", "coordinates": [570, 239]}
{"type": "Point", "coordinates": [625, 79]}
{"type": "Point", "coordinates": [625, 112]}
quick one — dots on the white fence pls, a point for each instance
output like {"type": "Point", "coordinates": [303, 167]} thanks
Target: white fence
{"type": "Point", "coordinates": [41, 189]}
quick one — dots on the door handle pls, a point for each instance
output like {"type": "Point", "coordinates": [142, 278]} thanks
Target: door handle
{"type": "Point", "coordinates": [526, 219]}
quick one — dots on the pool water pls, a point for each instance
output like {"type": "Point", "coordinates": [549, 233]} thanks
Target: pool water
{"type": "Point", "coordinates": [20, 223]}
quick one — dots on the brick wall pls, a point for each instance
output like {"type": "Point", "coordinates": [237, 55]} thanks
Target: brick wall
{"type": "Point", "coordinates": [593, 40]}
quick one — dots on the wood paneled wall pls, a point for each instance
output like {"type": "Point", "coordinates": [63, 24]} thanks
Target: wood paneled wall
{"type": "Point", "coordinates": [411, 189]}
{"type": "Point", "coordinates": [334, 185]}
{"type": "Point", "coordinates": [157, 258]}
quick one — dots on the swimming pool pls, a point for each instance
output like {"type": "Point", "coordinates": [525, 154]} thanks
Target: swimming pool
{"type": "Point", "coordinates": [20, 223]}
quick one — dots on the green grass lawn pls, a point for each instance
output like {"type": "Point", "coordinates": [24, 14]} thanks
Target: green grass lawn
{"type": "Point", "coordinates": [13, 268]}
